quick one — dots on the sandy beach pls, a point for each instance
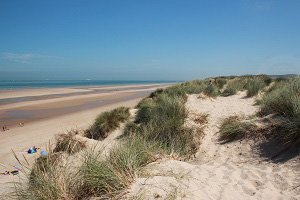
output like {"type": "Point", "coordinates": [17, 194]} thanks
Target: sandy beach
{"type": "Point", "coordinates": [51, 111]}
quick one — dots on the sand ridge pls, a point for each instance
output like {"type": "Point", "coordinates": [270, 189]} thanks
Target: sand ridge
{"type": "Point", "coordinates": [219, 171]}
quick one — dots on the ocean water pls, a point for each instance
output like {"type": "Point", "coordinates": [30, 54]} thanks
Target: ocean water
{"type": "Point", "coordinates": [10, 85]}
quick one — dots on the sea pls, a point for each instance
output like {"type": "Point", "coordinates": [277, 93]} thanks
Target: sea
{"type": "Point", "coordinates": [12, 85]}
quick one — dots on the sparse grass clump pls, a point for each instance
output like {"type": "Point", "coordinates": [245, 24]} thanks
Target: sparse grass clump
{"type": "Point", "coordinates": [220, 82]}
{"type": "Point", "coordinates": [68, 143]}
{"type": "Point", "coordinates": [283, 100]}
{"type": "Point", "coordinates": [211, 90]}
{"type": "Point", "coordinates": [110, 177]}
{"type": "Point", "coordinates": [100, 178]}
{"type": "Point", "coordinates": [48, 179]}
{"type": "Point", "coordinates": [107, 122]}
{"type": "Point", "coordinates": [131, 129]}
{"type": "Point", "coordinates": [228, 92]}
{"type": "Point", "coordinates": [253, 86]}
{"type": "Point", "coordinates": [233, 128]}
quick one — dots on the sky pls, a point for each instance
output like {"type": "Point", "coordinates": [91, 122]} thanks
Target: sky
{"type": "Point", "coordinates": [147, 39]}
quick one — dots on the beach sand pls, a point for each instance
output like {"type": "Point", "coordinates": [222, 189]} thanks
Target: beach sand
{"type": "Point", "coordinates": [50, 116]}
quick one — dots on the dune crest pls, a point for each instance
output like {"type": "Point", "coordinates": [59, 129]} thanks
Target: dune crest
{"type": "Point", "coordinates": [219, 171]}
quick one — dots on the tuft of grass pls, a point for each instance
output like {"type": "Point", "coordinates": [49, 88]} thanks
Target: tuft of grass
{"type": "Point", "coordinates": [211, 90]}
{"type": "Point", "coordinates": [48, 179]}
{"type": "Point", "coordinates": [220, 82]}
{"type": "Point", "coordinates": [68, 143]}
{"type": "Point", "coordinates": [107, 122]}
{"type": "Point", "coordinates": [100, 178]}
{"type": "Point", "coordinates": [110, 177]}
{"type": "Point", "coordinates": [131, 129]}
{"type": "Point", "coordinates": [228, 92]}
{"type": "Point", "coordinates": [201, 118]}
{"type": "Point", "coordinates": [253, 86]}
{"type": "Point", "coordinates": [284, 100]}
{"type": "Point", "coordinates": [233, 128]}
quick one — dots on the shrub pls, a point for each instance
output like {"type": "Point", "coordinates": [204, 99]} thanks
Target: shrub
{"type": "Point", "coordinates": [232, 128]}
{"type": "Point", "coordinates": [107, 122]}
{"type": "Point", "coordinates": [68, 143]}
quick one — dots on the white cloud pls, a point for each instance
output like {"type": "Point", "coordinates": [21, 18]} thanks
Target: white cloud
{"type": "Point", "coordinates": [17, 57]}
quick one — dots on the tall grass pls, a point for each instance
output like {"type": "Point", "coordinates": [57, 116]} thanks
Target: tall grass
{"type": "Point", "coordinates": [68, 143]}
{"type": "Point", "coordinates": [162, 122]}
{"type": "Point", "coordinates": [254, 85]}
{"type": "Point", "coordinates": [233, 128]}
{"type": "Point", "coordinates": [107, 122]}
{"type": "Point", "coordinates": [211, 90]}
{"type": "Point", "coordinates": [48, 179]}
{"type": "Point", "coordinates": [220, 82]}
{"type": "Point", "coordinates": [110, 177]}
{"type": "Point", "coordinates": [284, 101]}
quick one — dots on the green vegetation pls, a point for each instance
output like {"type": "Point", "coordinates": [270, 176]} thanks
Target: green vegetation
{"type": "Point", "coordinates": [211, 90]}
{"type": "Point", "coordinates": [253, 86]}
{"type": "Point", "coordinates": [220, 82]}
{"type": "Point", "coordinates": [108, 178]}
{"type": "Point", "coordinates": [48, 179]}
{"type": "Point", "coordinates": [233, 128]}
{"type": "Point", "coordinates": [107, 122]}
{"type": "Point", "coordinates": [284, 101]}
{"type": "Point", "coordinates": [68, 143]}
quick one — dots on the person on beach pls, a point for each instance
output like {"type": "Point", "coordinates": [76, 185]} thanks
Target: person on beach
{"type": "Point", "coordinates": [5, 128]}
{"type": "Point", "coordinates": [33, 149]}
{"type": "Point", "coordinates": [14, 172]}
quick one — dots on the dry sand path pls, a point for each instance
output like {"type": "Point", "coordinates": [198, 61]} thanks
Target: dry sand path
{"type": "Point", "coordinates": [220, 171]}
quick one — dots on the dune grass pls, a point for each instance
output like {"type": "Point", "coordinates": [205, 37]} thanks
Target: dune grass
{"type": "Point", "coordinates": [107, 122]}
{"type": "Point", "coordinates": [68, 143]}
{"type": "Point", "coordinates": [220, 82]}
{"type": "Point", "coordinates": [48, 179]}
{"type": "Point", "coordinates": [162, 122]}
{"type": "Point", "coordinates": [110, 177]}
{"type": "Point", "coordinates": [211, 90]}
{"type": "Point", "coordinates": [284, 101]}
{"type": "Point", "coordinates": [233, 128]}
{"type": "Point", "coordinates": [253, 86]}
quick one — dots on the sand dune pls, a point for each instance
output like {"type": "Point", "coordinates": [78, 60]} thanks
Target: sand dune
{"type": "Point", "coordinates": [229, 171]}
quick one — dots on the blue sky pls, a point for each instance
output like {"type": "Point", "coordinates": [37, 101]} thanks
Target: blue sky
{"type": "Point", "coordinates": [147, 39]}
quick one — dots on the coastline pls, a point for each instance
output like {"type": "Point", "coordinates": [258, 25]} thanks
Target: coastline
{"type": "Point", "coordinates": [67, 113]}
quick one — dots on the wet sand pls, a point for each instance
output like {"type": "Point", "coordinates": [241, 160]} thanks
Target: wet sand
{"type": "Point", "coordinates": [27, 108]}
